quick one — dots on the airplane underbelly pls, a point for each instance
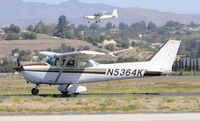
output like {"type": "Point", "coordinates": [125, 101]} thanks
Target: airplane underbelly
{"type": "Point", "coordinates": [33, 77]}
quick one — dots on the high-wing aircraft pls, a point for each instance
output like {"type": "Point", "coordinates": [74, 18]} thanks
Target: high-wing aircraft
{"type": "Point", "coordinates": [68, 69]}
{"type": "Point", "coordinates": [100, 16]}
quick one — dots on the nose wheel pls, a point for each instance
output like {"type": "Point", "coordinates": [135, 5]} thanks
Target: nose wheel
{"type": "Point", "coordinates": [35, 91]}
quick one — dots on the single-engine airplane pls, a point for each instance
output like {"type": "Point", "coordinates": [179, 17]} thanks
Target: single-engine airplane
{"type": "Point", "coordinates": [68, 69]}
{"type": "Point", "coordinates": [100, 16]}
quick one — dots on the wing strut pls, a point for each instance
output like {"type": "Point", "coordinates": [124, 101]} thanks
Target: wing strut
{"type": "Point", "coordinates": [61, 69]}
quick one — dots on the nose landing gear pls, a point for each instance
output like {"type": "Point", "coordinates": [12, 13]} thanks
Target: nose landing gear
{"type": "Point", "coordinates": [35, 91]}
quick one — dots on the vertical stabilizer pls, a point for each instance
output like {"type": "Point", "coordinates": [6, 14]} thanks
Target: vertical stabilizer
{"type": "Point", "coordinates": [115, 14]}
{"type": "Point", "coordinates": [163, 60]}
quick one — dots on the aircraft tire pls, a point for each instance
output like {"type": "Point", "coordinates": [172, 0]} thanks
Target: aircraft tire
{"type": "Point", "coordinates": [64, 93]}
{"type": "Point", "coordinates": [75, 94]}
{"type": "Point", "coordinates": [35, 91]}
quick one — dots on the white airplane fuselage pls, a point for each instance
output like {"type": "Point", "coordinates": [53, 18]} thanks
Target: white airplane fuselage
{"type": "Point", "coordinates": [72, 68]}
{"type": "Point", "coordinates": [46, 74]}
{"type": "Point", "coordinates": [95, 18]}
{"type": "Point", "coordinates": [99, 17]}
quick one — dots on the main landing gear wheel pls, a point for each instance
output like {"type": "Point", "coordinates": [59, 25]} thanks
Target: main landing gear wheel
{"type": "Point", "coordinates": [75, 94]}
{"type": "Point", "coordinates": [35, 91]}
{"type": "Point", "coordinates": [64, 93]}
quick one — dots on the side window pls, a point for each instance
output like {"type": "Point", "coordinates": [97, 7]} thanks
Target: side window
{"type": "Point", "coordinates": [84, 64]}
{"type": "Point", "coordinates": [62, 62]}
{"type": "Point", "coordinates": [56, 63]}
{"type": "Point", "coordinates": [71, 63]}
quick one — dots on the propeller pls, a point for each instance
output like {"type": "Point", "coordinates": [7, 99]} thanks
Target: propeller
{"type": "Point", "coordinates": [19, 67]}
{"type": "Point", "coordinates": [18, 62]}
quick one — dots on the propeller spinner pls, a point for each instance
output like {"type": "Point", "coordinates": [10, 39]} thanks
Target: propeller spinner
{"type": "Point", "coordinates": [19, 67]}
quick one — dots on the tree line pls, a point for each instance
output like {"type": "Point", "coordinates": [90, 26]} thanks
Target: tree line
{"type": "Point", "coordinates": [14, 33]}
{"type": "Point", "coordinates": [124, 33]}
{"type": "Point", "coordinates": [121, 33]}
{"type": "Point", "coordinates": [186, 64]}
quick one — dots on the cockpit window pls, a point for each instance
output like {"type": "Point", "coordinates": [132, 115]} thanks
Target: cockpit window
{"type": "Point", "coordinates": [84, 64]}
{"type": "Point", "coordinates": [52, 61]}
{"type": "Point", "coordinates": [71, 63]}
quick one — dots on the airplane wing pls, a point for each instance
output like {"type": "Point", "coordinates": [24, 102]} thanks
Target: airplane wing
{"type": "Point", "coordinates": [100, 14]}
{"type": "Point", "coordinates": [48, 53]}
{"type": "Point", "coordinates": [76, 54]}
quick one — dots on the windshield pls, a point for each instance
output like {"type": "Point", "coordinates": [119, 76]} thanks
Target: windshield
{"type": "Point", "coordinates": [52, 61]}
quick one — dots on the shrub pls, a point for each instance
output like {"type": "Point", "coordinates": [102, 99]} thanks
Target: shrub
{"type": "Point", "coordinates": [28, 35]}
{"type": "Point", "coordinates": [110, 47]}
{"type": "Point", "coordinates": [125, 44]}
{"type": "Point", "coordinates": [12, 36]}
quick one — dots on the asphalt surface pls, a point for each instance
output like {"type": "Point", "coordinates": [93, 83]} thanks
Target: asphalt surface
{"type": "Point", "coordinates": [107, 117]}
{"type": "Point", "coordinates": [101, 95]}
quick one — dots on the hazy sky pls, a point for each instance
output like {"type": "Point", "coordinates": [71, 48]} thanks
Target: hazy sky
{"type": "Point", "coordinates": [179, 6]}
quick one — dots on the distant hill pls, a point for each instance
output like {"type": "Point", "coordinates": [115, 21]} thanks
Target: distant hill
{"type": "Point", "coordinates": [130, 15]}
{"type": "Point", "coordinates": [134, 14]}
{"type": "Point", "coordinates": [17, 9]}
{"type": "Point", "coordinates": [24, 13]}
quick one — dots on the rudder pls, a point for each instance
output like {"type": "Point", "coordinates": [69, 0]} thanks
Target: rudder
{"type": "Point", "coordinates": [115, 14]}
{"type": "Point", "coordinates": [163, 60]}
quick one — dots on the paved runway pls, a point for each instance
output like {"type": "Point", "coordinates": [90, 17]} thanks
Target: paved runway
{"type": "Point", "coordinates": [101, 95]}
{"type": "Point", "coordinates": [109, 117]}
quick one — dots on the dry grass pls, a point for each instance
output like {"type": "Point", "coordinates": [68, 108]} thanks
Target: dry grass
{"type": "Point", "coordinates": [136, 53]}
{"type": "Point", "coordinates": [6, 47]}
{"type": "Point", "coordinates": [97, 104]}
{"type": "Point", "coordinates": [147, 85]}
{"type": "Point", "coordinates": [140, 85]}
{"type": "Point", "coordinates": [44, 42]}
{"type": "Point", "coordinates": [106, 104]}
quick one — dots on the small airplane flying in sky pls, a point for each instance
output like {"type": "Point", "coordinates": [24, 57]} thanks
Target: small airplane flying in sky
{"type": "Point", "coordinates": [68, 69]}
{"type": "Point", "coordinates": [100, 16]}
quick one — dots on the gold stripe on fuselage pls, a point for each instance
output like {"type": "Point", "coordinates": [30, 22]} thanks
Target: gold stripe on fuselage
{"type": "Point", "coordinates": [69, 70]}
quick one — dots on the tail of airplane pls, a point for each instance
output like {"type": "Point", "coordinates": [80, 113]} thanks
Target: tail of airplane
{"type": "Point", "coordinates": [163, 60]}
{"type": "Point", "coordinates": [115, 14]}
